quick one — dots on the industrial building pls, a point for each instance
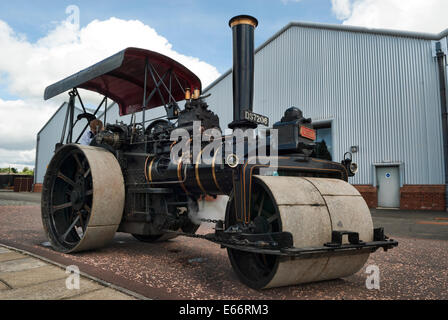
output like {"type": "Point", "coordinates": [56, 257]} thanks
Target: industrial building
{"type": "Point", "coordinates": [53, 132]}
{"type": "Point", "coordinates": [376, 93]}
{"type": "Point", "coordinates": [47, 138]}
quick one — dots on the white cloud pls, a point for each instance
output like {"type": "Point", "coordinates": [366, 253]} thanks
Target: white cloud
{"type": "Point", "coordinates": [66, 50]}
{"type": "Point", "coordinates": [20, 121]}
{"type": "Point", "coordinates": [17, 159]}
{"type": "Point", "coordinates": [30, 67]}
{"type": "Point", "coordinates": [412, 15]}
{"type": "Point", "coordinates": [342, 8]}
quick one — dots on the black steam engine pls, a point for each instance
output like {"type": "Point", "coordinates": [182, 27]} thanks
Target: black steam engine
{"type": "Point", "coordinates": [293, 222]}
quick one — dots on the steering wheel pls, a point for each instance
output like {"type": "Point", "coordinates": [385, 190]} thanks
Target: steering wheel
{"type": "Point", "coordinates": [158, 127]}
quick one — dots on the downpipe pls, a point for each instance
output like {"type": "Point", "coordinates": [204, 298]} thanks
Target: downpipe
{"type": "Point", "coordinates": [443, 100]}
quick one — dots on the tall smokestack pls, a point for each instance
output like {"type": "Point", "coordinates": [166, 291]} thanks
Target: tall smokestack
{"type": "Point", "coordinates": [243, 28]}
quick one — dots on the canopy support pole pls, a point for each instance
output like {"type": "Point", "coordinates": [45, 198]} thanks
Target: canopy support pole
{"type": "Point", "coordinates": [79, 98]}
{"type": "Point", "coordinates": [87, 125]}
{"type": "Point", "coordinates": [105, 113]}
{"type": "Point", "coordinates": [144, 92]}
{"type": "Point", "coordinates": [71, 106]}
{"type": "Point", "coordinates": [157, 84]}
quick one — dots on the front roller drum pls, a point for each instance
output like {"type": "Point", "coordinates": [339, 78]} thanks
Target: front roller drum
{"type": "Point", "coordinates": [82, 198]}
{"type": "Point", "coordinates": [310, 209]}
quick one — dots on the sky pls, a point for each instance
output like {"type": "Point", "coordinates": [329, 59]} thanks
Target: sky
{"type": "Point", "coordinates": [44, 41]}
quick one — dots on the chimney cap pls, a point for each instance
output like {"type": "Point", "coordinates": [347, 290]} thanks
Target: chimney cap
{"type": "Point", "coordinates": [243, 19]}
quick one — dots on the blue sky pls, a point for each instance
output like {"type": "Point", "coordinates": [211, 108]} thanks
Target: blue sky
{"type": "Point", "coordinates": [195, 27]}
{"type": "Point", "coordinates": [194, 32]}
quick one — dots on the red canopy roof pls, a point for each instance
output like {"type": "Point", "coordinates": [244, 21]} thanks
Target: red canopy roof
{"type": "Point", "coordinates": [121, 78]}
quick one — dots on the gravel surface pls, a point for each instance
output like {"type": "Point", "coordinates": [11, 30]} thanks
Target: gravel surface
{"type": "Point", "coordinates": [186, 268]}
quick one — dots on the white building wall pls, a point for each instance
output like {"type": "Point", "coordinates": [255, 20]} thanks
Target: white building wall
{"type": "Point", "coordinates": [380, 92]}
{"type": "Point", "coordinates": [49, 136]}
{"type": "Point", "coordinates": [51, 133]}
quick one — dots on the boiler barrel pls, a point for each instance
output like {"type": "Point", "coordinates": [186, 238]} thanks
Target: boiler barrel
{"type": "Point", "coordinates": [198, 177]}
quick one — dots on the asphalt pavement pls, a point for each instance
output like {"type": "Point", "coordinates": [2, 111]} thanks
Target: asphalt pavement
{"type": "Point", "coordinates": [19, 198]}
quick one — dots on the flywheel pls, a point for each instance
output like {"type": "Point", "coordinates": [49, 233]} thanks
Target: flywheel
{"type": "Point", "coordinates": [82, 198]}
{"type": "Point", "coordinates": [310, 209]}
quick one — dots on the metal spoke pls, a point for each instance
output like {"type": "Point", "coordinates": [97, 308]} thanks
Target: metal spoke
{"type": "Point", "coordinates": [89, 193]}
{"type": "Point", "coordinates": [81, 168]}
{"type": "Point", "coordinates": [65, 178]}
{"type": "Point", "coordinates": [62, 206]}
{"type": "Point", "coordinates": [255, 198]}
{"type": "Point", "coordinates": [273, 218]}
{"type": "Point", "coordinates": [86, 173]}
{"type": "Point", "coordinates": [261, 205]}
{"type": "Point", "coordinates": [64, 236]}
{"type": "Point", "coordinates": [82, 222]}
{"type": "Point", "coordinates": [262, 211]}
{"type": "Point", "coordinates": [87, 208]}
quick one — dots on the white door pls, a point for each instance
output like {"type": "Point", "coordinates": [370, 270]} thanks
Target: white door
{"type": "Point", "coordinates": [388, 180]}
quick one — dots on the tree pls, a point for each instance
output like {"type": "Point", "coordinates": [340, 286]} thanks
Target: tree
{"type": "Point", "coordinates": [13, 170]}
{"type": "Point", "coordinates": [27, 171]}
{"type": "Point", "coordinates": [321, 151]}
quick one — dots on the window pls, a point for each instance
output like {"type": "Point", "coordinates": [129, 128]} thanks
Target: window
{"type": "Point", "coordinates": [324, 142]}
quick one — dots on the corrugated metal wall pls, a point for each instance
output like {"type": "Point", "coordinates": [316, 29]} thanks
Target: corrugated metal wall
{"type": "Point", "coordinates": [380, 92]}
{"type": "Point", "coordinates": [52, 131]}
{"type": "Point", "coordinates": [49, 136]}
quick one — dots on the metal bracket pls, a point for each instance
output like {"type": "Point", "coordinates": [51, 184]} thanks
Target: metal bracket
{"type": "Point", "coordinates": [281, 243]}
{"type": "Point", "coordinates": [273, 240]}
{"type": "Point", "coordinates": [439, 46]}
{"type": "Point", "coordinates": [337, 237]}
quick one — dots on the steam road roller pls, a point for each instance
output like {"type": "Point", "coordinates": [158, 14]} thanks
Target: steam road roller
{"type": "Point", "coordinates": [291, 218]}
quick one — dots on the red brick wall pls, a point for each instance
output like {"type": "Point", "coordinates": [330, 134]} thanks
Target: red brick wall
{"type": "Point", "coordinates": [412, 197]}
{"type": "Point", "coordinates": [422, 197]}
{"type": "Point", "coordinates": [369, 193]}
{"type": "Point", "coordinates": [37, 187]}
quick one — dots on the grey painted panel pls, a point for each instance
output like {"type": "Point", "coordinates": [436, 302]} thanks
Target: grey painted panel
{"type": "Point", "coordinates": [388, 187]}
{"type": "Point", "coordinates": [51, 133]}
{"type": "Point", "coordinates": [49, 136]}
{"type": "Point", "coordinates": [381, 92]}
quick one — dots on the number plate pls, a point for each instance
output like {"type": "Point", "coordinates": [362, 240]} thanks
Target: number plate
{"type": "Point", "coordinates": [308, 133]}
{"type": "Point", "coordinates": [256, 118]}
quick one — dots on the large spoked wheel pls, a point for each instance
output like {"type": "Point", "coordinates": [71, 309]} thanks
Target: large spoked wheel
{"type": "Point", "coordinates": [82, 198]}
{"type": "Point", "coordinates": [255, 270]}
{"type": "Point", "coordinates": [310, 209]}
{"type": "Point", "coordinates": [71, 200]}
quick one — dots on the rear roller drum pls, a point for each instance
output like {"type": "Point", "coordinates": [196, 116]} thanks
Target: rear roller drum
{"type": "Point", "coordinates": [310, 209]}
{"type": "Point", "coordinates": [82, 198]}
